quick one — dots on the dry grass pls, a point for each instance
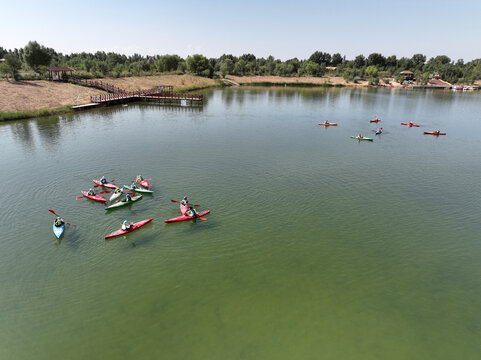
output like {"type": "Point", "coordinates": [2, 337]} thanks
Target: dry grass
{"type": "Point", "coordinates": [40, 94]}
{"type": "Point", "coordinates": [133, 83]}
{"type": "Point", "coordinates": [332, 80]}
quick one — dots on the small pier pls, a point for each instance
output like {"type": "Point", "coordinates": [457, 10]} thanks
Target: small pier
{"type": "Point", "coordinates": [161, 95]}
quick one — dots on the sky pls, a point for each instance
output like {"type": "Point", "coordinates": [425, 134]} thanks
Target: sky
{"type": "Point", "coordinates": [283, 29]}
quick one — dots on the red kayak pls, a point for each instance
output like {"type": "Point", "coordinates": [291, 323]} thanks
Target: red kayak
{"type": "Point", "coordinates": [94, 197]}
{"type": "Point", "coordinates": [184, 217]}
{"type": "Point", "coordinates": [107, 185]}
{"type": "Point", "coordinates": [132, 228]}
{"type": "Point", "coordinates": [183, 208]}
{"type": "Point", "coordinates": [410, 124]}
{"type": "Point", "coordinates": [434, 133]}
{"type": "Point", "coordinates": [144, 183]}
{"type": "Point", "coordinates": [375, 120]}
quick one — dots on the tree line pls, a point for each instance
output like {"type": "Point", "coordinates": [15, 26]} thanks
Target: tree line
{"type": "Point", "coordinates": [32, 62]}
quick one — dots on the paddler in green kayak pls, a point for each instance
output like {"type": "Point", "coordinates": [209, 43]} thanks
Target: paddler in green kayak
{"type": "Point", "coordinates": [134, 185]}
{"type": "Point", "coordinates": [127, 198]}
{"type": "Point", "coordinates": [91, 192]}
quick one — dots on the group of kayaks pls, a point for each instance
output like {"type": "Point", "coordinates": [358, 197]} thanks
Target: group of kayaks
{"type": "Point", "coordinates": [380, 130]}
{"type": "Point", "coordinates": [59, 224]}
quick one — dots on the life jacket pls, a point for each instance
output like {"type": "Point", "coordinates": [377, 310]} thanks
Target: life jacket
{"type": "Point", "coordinates": [58, 223]}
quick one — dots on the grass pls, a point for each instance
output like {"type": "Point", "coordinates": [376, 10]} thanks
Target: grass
{"type": "Point", "coordinates": [33, 113]}
{"type": "Point", "coordinates": [290, 84]}
{"type": "Point", "coordinates": [218, 83]}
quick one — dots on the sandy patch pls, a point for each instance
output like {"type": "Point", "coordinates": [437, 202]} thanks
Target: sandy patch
{"type": "Point", "coordinates": [133, 83]}
{"type": "Point", "coordinates": [332, 80]}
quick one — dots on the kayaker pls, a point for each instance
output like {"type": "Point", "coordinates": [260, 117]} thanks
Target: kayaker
{"type": "Point", "coordinates": [191, 212]}
{"type": "Point", "coordinates": [125, 225]}
{"type": "Point", "coordinates": [127, 197]}
{"type": "Point", "coordinates": [59, 221]}
{"type": "Point", "coordinates": [326, 122]}
{"type": "Point", "coordinates": [379, 131]}
{"type": "Point", "coordinates": [117, 191]}
{"type": "Point", "coordinates": [184, 201]}
{"type": "Point", "coordinates": [91, 192]}
{"type": "Point", "coordinates": [140, 178]}
{"type": "Point", "coordinates": [103, 180]}
{"type": "Point", "coordinates": [134, 185]}
{"type": "Point", "coordinates": [359, 136]}
{"type": "Point", "coordinates": [411, 123]}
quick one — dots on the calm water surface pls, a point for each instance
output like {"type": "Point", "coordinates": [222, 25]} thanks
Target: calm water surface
{"type": "Point", "coordinates": [317, 247]}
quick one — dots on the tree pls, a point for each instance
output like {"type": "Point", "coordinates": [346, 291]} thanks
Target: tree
{"type": "Point", "coordinates": [13, 65]}
{"type": "Point", "coordinates": [321, 58]}
{"type": "Point", "coordinates": [418, 61]}
{"type": "Point", "coordinates": [197, 64]}
{"type": "Point", "coordinates": [336, 59]}
{"type": "Point", "coordinates": [309, 68]}
{"type": "Point", "coordinates": [376, 59]}
{"type": "Point", "coordinates": [359, 61]}
{"type": "Point", "coordinates": [227, 67]}
{"type": "Point", "coordinates": [36, 55]}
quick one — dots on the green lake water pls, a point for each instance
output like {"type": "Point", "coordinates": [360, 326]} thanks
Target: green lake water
{"type": "Point", "coordinates": [317, 246]}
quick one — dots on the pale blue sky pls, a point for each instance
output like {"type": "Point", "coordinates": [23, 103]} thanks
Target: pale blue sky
{"type": "Point", "coordinates": [283, 29]}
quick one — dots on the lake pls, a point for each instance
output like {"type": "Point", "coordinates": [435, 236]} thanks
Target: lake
{"type": "Point", "coordinates": [317, 246]}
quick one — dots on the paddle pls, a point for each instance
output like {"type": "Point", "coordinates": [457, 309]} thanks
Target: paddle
{"type": "Point", "coordinates": [53, 212]}
{"type": "Point", "coordinates": [96, 186]}
{"type": "Point", "coordinates": [175, 201]}
{"type": "Point", "coordinates": [104, 192]}
{"type": "Point", "coordinates": [79, 197]}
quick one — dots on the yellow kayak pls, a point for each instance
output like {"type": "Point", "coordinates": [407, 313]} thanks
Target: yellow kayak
{"type": "Point", "coordinates": [328, 124]}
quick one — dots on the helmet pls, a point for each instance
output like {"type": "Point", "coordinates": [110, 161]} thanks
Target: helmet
{"type": "Point", "coordinates": [185, 197]}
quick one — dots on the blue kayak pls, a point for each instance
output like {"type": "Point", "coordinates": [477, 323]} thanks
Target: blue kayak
{"type": "Point", "coordinates": [58, 230]}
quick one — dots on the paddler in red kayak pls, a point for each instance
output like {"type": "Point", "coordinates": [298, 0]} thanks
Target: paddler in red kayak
{"type": "Point", "coordinates": [191, 212]}
{"type": "Point", "coordinates": [184, 201]}
{"type": "Point", "coordinates": [126, 225]}
{"type": "Point", "coordinates": [139, 178]}
{"type": "Point", "coordinates": [91, 192]}
{"type": "Point", "coordinates": [103, 180]}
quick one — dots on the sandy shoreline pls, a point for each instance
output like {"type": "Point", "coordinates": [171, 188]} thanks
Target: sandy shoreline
{"type": "Point", "coordinates": [40, 94]}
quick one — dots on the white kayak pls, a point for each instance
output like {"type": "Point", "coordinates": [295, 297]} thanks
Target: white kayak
{"type": "Point", "coordinates": [116, 195]}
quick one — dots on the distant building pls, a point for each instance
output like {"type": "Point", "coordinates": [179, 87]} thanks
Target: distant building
{"type": "Point", "coordinates": [407, 75]}
{"type": "Point", "coordinates": [332, 68]}
{"type": "Point", "coordinates": [59, 73]}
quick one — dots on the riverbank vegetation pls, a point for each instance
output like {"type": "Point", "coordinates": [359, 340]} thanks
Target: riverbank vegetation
{"type": "Point", "coordinates": [32, 61]}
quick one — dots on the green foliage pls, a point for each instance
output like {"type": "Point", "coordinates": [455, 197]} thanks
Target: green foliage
{"type": "Point", "coordinates": [33, 113]}
{"type": "Point", "coordinates": [309, 68]}
{"type": "Point", "coordinates": [197, 64]}
{"type": "Point", "coordinates": [13, 64]}
{"type": "Point", "coordinates": [36, 55]}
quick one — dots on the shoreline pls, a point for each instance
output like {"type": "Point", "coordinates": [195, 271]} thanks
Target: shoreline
{"type": "Point", "coordinates": [38, 98]}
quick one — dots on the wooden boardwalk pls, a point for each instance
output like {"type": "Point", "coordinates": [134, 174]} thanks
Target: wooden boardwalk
{"type": "Point", "coordinates": [162, 94]}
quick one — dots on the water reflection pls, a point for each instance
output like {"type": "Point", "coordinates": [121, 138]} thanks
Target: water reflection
{"type": "Point", "coordinates": [22, 133]}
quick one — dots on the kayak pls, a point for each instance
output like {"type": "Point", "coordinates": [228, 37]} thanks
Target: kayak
{"type": "Point", "coordinates": [328, 124]}
{"type": "Point", "coordinates": [116, 195]}
{"type": "Point", "coordinates": [375, 120]}
{"type": "Point", "coordinates": [132, 228]}
{"type": "Point", "coordinates": [183, 208]}
{"type": "Point", "coordinates": [184, 217]}
{"type": "Point", "coordinates": [58, 230]}
{"type": "Point", "coordinates": [123, 203]}
{"type": "Point", "coordinates": [409, 124]}
{"type": "Point", "coordinates": [143, 183]}
{"type": "Point", "coordinates": [93, 197]}
{"type": "Point", "coordinates": [139, 190]}
{"type": "Point", "coordinates": [378, 132]}
{"type": "Point", "coordinates": [434, 133]}
{"type": "Point", "coordinates": [107, 185]}
{"type": "Point", "coordinates": [363, 138]}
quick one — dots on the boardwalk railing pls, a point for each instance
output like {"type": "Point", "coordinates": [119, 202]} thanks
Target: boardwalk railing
{"type": "Point", "coordinates": [116, 93]}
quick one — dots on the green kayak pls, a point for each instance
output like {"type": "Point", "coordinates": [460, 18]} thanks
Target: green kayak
{"type": "Point", "coordinates": [145, 191]}
{"type": "Point", "coordinates": [123, 203]}
{"type": "Point", "coordinates": [363, 138]}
